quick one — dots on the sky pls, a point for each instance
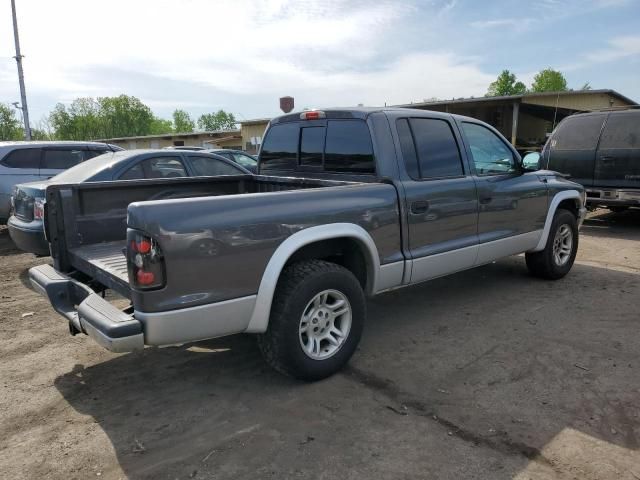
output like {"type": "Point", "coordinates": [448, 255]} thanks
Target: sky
{"type": "Point", "coordinates": [242, 55]}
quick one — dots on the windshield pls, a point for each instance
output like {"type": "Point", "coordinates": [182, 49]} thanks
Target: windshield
{"type": "Point", "coordinates": [245, 160]}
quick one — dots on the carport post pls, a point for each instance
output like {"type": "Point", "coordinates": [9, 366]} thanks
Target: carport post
{"type": "Point", "coordinates": [514, 123]}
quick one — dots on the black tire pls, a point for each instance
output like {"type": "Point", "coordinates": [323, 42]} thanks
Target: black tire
{"type": "Point", "coordinates": [298, 285]}
{"type": "Point", "coordinates": [542, 264]}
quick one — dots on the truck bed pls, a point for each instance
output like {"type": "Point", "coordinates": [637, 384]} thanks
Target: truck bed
{"type": "Point", "coordinates": [86, 223]}
{"type": "Point", "coordinates": [105, 262]}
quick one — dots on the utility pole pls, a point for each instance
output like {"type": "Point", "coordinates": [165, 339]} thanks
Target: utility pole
{"type": "Point", "coordinates": [18, 57]}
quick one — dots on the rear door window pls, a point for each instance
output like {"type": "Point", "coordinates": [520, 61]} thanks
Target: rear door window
{"type": "Point", "coordinates": [280, 148]}
{"type": "Point", "coordinates": [61, 159]}
{"type": "Point", "coordinates": [159, 167]}
{"type": "Point", "coordinates": [578, 133]}
{"type": "Point", "coordinates": [95, 153]}
{"type": "Point", "coordinates": [23, 158]}
{"type": "Point", "coordinates": [164, 167]}
{"type": "Point", "coordinates": [348, 147]}
{"type": "Point", "coordinates": [207, 166]}
{"type": "Point", "coordinates": [622, 131]}
{"type": "Point", "coordinates": [430, 148]}
{"type": "Point", "coordinates": [134, 173]}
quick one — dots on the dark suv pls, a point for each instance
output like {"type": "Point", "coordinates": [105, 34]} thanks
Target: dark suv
{"type": "Point", "coordinates": [600, 150]}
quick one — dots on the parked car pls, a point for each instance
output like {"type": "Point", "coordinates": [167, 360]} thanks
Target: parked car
{"type": "Point", "coordinates": [341, 209]}
{"type": "Point", "coordinates": [242, 158]}
{"type": "Point", "coordinates": [25, 225]}
{"type": "Point", "coordinates": [600, 150]}
{"type": "Point", "coordinates": [29, 161]}
{"type": "Point", "coordinates": [184, 147]}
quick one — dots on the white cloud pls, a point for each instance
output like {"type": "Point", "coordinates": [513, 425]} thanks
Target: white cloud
{"type": "Point", "coordinates": [500, 22]}
{"type": "Point", "coordinates": [324, 52]}
{"type": "Point", "coordinates": [618, 48]}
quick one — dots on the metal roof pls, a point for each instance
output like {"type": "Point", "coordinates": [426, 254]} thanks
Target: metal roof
{"type": "Point", "coordinates": [255, 121]}
{"type": "Point", "coordinates": [516, 97]}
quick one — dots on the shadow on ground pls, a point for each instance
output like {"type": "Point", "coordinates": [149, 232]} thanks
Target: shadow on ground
{"type": "Point", "coordinates": [472, 375]}
{"type": "Point", "coordinates": [7, 247]}
{"type": "Point", "coordinates": [604, 223]}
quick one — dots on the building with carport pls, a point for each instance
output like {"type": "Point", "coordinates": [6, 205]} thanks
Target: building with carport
{"type": "Point", "coordinates": [527, 119]}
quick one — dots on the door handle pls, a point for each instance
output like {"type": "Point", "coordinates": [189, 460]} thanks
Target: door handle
{"type": "Point", "coordinates": [420, 206]}
{"type": "Point", "coordinates": [485, 200]}
{"type": "Point", "coordinates": [607, 159]}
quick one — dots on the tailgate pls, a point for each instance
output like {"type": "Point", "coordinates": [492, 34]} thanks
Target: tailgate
{"type": "Point", "coordinates": [104, 262]}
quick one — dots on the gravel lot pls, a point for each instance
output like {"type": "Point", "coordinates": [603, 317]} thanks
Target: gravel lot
{"type": "Point", "coordinates": [485, 374]}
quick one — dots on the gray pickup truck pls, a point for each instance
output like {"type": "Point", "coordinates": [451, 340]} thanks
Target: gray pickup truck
{"type": "Point", "coordinates": [347, 203]}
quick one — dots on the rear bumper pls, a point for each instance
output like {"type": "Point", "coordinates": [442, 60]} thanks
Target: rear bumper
{"type": "Point", "coordinates": [117, 331]}
{"type": "Point", "coordinates": [613, 197]}
{"type": "Point", "coordinates": [28, 236]}
{"type": "Point", "coordinates": [110, 327]}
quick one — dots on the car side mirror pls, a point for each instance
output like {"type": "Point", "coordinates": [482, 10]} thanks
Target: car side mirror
{"type": "Point", "coordinates": [531, 161]}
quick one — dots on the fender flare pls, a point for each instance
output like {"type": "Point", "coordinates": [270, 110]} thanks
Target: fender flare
{"type": "Point", "coordinates": [262, 309]}
{"type": "Point", "coordinates": [559, 197]}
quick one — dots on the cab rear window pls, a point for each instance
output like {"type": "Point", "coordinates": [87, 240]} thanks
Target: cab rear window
{"type": "Point", "coordinates": [333, 146]}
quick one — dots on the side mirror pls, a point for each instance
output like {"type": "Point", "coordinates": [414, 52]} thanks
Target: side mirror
{"type": "Point", "coordinates": [531, 161]}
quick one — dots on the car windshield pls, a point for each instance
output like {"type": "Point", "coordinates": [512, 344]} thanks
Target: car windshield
{"type": "Point", "coordinates": [245, 160]}
{"type": "Point", "coordinates": [86, 170]}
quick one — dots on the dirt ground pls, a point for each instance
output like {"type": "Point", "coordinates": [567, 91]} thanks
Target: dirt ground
{"type": "Point", "coordinates": [486, 374]}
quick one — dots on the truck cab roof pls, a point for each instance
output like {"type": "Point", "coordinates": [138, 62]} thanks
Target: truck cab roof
{"type": "Point", "coordinates": [363, 112]}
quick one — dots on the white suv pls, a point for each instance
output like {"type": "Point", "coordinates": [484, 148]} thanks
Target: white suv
{"type": "Point", "coordinates": [22, 162]}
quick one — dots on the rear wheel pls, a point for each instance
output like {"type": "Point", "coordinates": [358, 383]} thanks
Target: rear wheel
{"type": "Point", "coordinates": [316, 320]}
{"type": "Point", "coordinates": [557, 258]}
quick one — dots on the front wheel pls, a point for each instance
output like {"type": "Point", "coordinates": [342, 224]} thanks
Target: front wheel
{"type": "Point", "coordinates": [557, 258]}
{"type": "Point", "coordinates": [316, 320]}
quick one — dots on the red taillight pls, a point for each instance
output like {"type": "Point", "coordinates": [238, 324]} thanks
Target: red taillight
{"type": "Point", "coordinates": [145, 278]}
{"type": "Point", "coordinates": [38, 208]}
{"type": "Point", "coordinates": [145, 261]}
{"type": "Point", "coordinates": [312, 115]}
{"type": "Point", "coordinates": [143, 246]}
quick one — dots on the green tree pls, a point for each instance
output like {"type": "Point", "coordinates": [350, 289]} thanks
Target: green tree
{"type": "Point", "coordinates": [62, 123]}
{"type": "Point", "coordinates": [124, 116]}
{"type": "Point", "coordinates": [101, 118]}
{"type": "Point", "coordinates": [182, 122]}
{"type": "Point", "coordinates": [80, 121]}
{"type": "Point", "coordinates": [160, 126]}
{"type": "Point", "coordinates": [43, 130]}
{"type": "Point", "coordinates": [10, 128]}
{"type": "Point", "coordinates": [220, 120]}
{"type": "Point", "coordinates": [549, 80]}
{"type": "Point", "coordinates": [506, 84]}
